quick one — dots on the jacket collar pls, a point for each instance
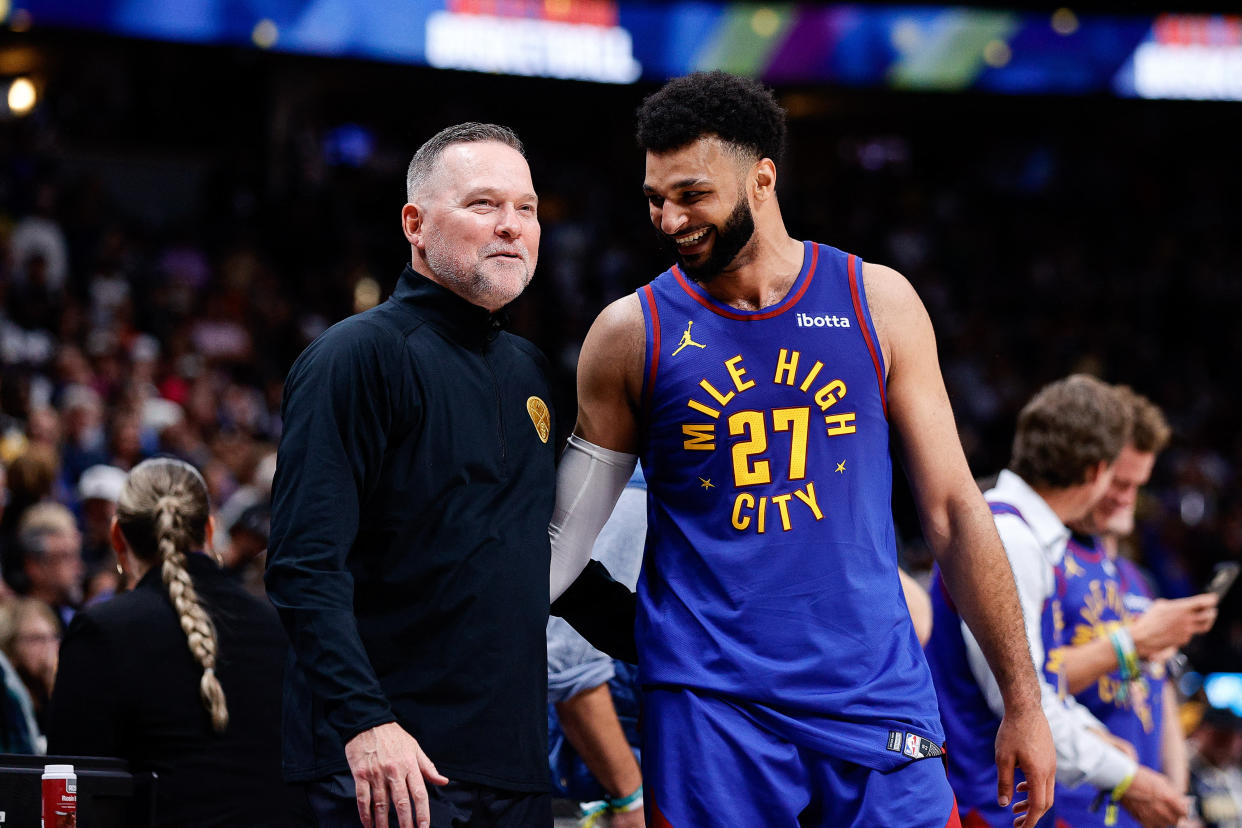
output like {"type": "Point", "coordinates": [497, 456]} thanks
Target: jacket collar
{"type": "Point", "coordinates": [197, 563]}
{"type": "Point", "coordinates": [465, 322]}
{"type": "Point", "coordinates": [1044, 523]}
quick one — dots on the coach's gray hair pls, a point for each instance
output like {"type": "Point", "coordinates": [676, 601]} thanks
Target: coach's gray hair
{"type": "Point", "coordinates": [162, 513]}
{"type": "Point", "coordinates": [424, 161]}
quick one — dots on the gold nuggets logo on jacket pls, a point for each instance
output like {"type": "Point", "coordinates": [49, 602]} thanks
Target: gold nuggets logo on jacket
{"type": "Point", "coordinates": [538, 411]}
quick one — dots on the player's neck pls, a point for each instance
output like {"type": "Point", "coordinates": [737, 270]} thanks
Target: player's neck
{"type": "Point", "coordinates": [1070, 504]}
{"type": "Point", "coordinates": [762, 273]}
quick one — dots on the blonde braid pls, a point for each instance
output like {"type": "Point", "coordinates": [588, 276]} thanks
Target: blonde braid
{"type": "Point", "coordinates": [199, 631]}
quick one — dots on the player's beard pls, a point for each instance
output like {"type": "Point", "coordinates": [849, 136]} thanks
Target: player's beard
{"type": "Point", "coordinates": [731, 237]}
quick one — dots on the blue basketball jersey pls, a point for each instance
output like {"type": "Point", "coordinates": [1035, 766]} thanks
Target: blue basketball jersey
{"type": "Point", "coordinates": [1101, 595]}
{"type": "Point", "coordinates": [770, 573]}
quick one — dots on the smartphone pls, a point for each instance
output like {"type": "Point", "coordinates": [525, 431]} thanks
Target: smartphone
{"type": "Point", "coordinates": [1224, 578]}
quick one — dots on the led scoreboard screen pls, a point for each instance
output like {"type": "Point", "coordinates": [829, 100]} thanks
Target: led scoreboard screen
{"type": "Point", "coordinates": [613, 41]}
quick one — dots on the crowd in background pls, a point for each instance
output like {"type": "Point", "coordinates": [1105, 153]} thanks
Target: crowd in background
{"type": "Point", "coordinates": [128, 330]}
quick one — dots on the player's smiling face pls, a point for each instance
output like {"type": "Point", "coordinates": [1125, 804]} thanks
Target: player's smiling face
{"type": "Point", "coordinates": [696, 197]}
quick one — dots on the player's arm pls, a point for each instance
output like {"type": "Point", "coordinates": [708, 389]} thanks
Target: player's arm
{"type": "Point", "coordinates": [1165, 626]}
{"type": "Point", "coordinates": [590, 723]}
{"type": "Point", "coordinates": [600, 456]}
{"type": "Point", "coordinates": [959, 529]}
{"type": "Point", "coordinates": [1174, 760]}
{"type": "Point", "coordinates": [919, 605]}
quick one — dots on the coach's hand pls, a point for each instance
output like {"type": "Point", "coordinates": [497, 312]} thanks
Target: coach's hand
{"type": "Point", "coordinates": [388, 768]}
{"type": "Point", "coordinates": [1152, 800]}
{"type": "Point", "coordinates": [1025, 741]}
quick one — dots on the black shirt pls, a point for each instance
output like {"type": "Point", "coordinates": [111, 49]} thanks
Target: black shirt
{"type": "Point", "coordinates": [128, 686]}
{"type": "Point", "coordinates": [409, 549]}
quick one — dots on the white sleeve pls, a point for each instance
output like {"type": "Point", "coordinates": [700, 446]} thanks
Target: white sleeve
{"type": "Point", "coordinates": [588, 483]}
{"type": "Point", "coordinates": [1081, 755]}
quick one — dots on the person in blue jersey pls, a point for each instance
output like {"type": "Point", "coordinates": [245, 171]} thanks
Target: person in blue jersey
{"type": "Point", "coordinates": [1067, 439]}
{"type": "Point", "coordinates": [1117, 636]}
{"type": "Point", "coordinates": [758, 380]}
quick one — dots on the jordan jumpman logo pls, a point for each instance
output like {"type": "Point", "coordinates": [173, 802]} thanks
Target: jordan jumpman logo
{"type": "Point", "coordinates": [686, 340]}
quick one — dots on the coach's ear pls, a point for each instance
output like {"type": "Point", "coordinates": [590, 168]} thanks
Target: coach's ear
{"type": "Point", "coordinates": [412, 225]}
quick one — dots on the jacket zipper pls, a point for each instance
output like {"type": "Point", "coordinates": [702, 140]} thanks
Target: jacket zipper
{"type": "Point", "coordinates": [500, 417]}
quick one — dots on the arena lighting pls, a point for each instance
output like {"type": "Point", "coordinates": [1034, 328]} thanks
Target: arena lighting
{"type": "Point", "coordinates": [22, 96]}
{"type": "Point", "coordinates": [531, 46]}
{"type": "Point", "coordinates": [265, 34]}
{"type": "Point", "coordinates": [1191, 57]}
{"type": "Point", "coordinates": [1064, 22]}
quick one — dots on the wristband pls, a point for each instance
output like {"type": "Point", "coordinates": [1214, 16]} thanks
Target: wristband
{"type": "Point", "coordinates": [1110, 814]}
{"type": "Point", "coordinates": [625, 804]}
{"type": "Point", "coordinates": [590, 813]}
{"type": "Point", "coordinates": [1127, 659]}
{"type": "Point", "coordinates": [1131, 651]}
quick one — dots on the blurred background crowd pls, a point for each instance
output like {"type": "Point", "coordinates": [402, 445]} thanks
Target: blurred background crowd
{"type": "Point", "coordinates": [177, 223]}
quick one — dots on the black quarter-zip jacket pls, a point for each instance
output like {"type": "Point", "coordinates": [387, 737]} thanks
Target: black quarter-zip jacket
{"type": "Point", "coordinates": [409, 546]}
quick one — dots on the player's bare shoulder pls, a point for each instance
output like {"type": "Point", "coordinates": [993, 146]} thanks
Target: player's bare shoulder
{"type": "Point", "coordinates": [901, 321]}
{"type": "Point", "coordinates": [610, 374]}
{"type": "Point", "coordinates": [614, 346]}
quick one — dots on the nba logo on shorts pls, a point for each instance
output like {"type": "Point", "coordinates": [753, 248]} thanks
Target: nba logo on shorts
{"type": "Point", "coordinates": [912, 745]}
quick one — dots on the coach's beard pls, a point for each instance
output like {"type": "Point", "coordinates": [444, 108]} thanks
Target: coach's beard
{"type": "Point", "coordinates": [731, 237]}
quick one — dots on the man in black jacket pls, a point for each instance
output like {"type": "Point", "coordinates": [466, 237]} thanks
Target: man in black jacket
{"type": "Point", "coordinates": [409, 550]}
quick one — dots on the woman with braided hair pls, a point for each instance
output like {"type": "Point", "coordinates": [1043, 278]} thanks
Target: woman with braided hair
{"type": "Point", "coordinates": [181, 675]}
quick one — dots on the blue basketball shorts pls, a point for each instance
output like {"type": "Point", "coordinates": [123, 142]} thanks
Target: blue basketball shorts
{"type": "Point", "coordinates": [707, 762]}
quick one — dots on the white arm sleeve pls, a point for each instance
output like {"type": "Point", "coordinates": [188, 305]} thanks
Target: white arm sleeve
{"type": "Point", "coordinates": [588, 483]}
{"type": "Point", "coordinates": [1081, 755]}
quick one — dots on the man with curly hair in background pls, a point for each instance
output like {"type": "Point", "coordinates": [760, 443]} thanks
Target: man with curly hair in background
{"type": "Point", "coordinates": [758, 380]}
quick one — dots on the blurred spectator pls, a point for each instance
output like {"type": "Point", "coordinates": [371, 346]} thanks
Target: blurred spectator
{"type": "Point", "coordinates": [246, 553]}
{"type": "Point", "coordinates": [182, 674]}
{"type": "Point", "coordinates": [51, 549]}
{"type": "Point", "coordinates": [98, 490]}
{"type": "Point", "coordinates": [19, 732]}
{"type": "Point", "coordinates": [84, 435]}
{"type": "Point", "coordinates": [38, 237]}
{"type": "Point", "coordinates": [30, 638]}
{"type": "Point", "coordinates": [1215, 776]}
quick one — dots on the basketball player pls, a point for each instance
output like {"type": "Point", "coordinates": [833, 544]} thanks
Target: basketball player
{"type": "Point", "coordinates": [758, 380]}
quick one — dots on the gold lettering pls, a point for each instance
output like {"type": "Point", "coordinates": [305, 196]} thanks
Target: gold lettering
{"type": "Point", "coordinates": [723, 399]}
{"type": "Point", "coordinates": [787, 366]}
{"type": "Point", "coordinates": [810, 378]}
{"type": "Point", "coordinates": [808, 497]}
{"type": "Point", "coordinates": [702, 409]}
{"type": "Point", "coordinates": [840, 424]}
{"type": "Point", "coordinates": [738, 372]}
{"type": "Point", "coordinates": [702, 436]}
{"type": "Point", "coordinates": [763, 514]}
{"type": "Point", "coordinates": [783, 502]}
{"type": "Point", "coordinates": [740, 522]}
{"type": "Point", "coordinates": [827, 396]}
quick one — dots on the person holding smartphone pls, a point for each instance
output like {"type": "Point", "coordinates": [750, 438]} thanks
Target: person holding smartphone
{"type": "Point", "coordinates": [1118, 634]}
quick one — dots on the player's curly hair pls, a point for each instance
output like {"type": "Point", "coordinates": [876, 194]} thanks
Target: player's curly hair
{"type": "Point", "coordinates": [740, 111]}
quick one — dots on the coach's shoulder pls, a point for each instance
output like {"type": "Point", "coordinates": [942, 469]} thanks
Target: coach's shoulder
{"type": "Point", "coordinates": [363, 342]}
